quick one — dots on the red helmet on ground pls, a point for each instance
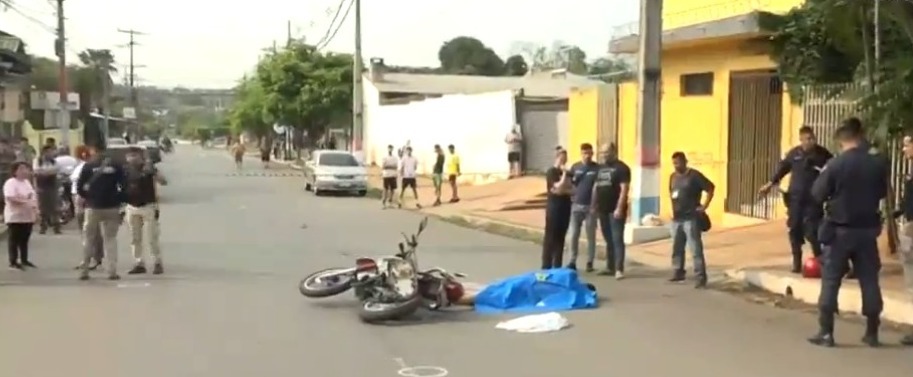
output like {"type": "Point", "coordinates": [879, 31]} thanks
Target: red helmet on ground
{"type": "Point", "coordinates": [811, 269]}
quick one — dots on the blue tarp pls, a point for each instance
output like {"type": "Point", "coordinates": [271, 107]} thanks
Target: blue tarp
{"type": "Point", "coordinates": [535, 292]}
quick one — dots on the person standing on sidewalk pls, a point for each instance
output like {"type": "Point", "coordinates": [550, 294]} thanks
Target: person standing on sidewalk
{"type": "Point", "coordinates": [407, 169]}
{"type": "Point", "coordinates": [437, 174]}
{"type": "Point", "coordinates": [47, 185]}
{"type": "Point", "coordinates": [237, 151]}
{"type": "Point", "coordinates": [142, 211]}
{"type": "Point", "coordinates": [611, 195]}
{"type": "Point", "coordinates": [390, 167]}
{"type": "Point", "coordinates": [583, 177]}
{"type": "Point", "coordinates": [514, 143]}
{"type": "Point", "coordinates": [557, 211]}
{"type": "Point", "coordinates": [852, 185]}
{"type": "Point", "coordinates": [905, 209]}
{"type": "Point", "coordinates": [686, 188]}
{"type": "Point", "coordinates": [453, 171]}
{"type": "Point", "coordinates": [101, 183]}
{"type": "Point", "coordinates": [803, 163]}
{"type": "Point", "coordinates": [19, 214]}
{"type": "Point", "coordinates": [8, 156]}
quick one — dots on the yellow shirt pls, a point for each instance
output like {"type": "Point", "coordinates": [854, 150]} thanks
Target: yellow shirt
{"type": "Point", "coordinates": [453, 165]}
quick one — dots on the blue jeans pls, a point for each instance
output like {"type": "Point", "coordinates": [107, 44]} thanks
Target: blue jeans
{"type": "Point", "coordinates": [580, 217]}
{"type": "Point", "coordinates": [613, 232]}
{"type": "Point", "coordinates": [686, 233]}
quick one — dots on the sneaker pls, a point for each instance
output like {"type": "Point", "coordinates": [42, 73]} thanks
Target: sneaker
{"type": "Point", "coordinates": [16, 267]}
{"type": "Point", "coordinates": [139, 268]}
{"type": "Point", "coordinates": [589, 267]}
{"type": "Point", "coordinates": [606, 272]}
{"type": "Point", "coordinates": [158, 269]}
{"type": "Point", "coordinates": [114, 276]}
{"type": "Point", "coordinates": [677, 278]}
{"type": "Point", "coordinates": [29, 264]}
{"type": "Point", "coordinates": [619, 275]}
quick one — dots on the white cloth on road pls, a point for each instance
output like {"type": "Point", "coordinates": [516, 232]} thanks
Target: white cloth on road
{"type": "Point", "coordinates": [535, 323]}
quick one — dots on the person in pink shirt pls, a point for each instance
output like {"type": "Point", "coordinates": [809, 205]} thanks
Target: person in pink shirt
{"type": "Point", "coordinates": [20, 214]}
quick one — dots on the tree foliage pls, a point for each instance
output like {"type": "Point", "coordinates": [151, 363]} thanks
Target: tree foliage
{"type": "Point", "coordinates": [298, 86]}
{"type": "Point", "coordinates": [469, 56]}
{"type": "Point", "coordinates": [515, 66]}
{"type": "Point", "coordinates": [832, 41]}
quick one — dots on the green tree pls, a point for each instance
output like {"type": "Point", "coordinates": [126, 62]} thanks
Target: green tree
{"type": "Point", "coordinates": [298, 86]}
{"type": "Point", "coordinates": [98, 65]}
{"type": "Point", "coordinates": [469, 56]}
{"type": "Point", "coordinates": [515, 66]}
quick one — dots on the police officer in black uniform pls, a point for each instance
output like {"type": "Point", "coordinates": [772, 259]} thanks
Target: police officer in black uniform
{"type": "Point", "coordinates": [804, 163]}
{"type": "Point", "coordinates": [853, 185]}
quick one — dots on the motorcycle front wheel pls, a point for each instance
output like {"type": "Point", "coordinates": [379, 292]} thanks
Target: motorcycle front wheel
{"type": "Point", "coordinates": [373, 311]}
{"type": "Point", "coordinates": [325, 283]}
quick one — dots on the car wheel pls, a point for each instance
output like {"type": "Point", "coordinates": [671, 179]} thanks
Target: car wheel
{"type": "Point", "coordinates": [307, 187]}
{"type": "Point", "coordinates": [361, 193]}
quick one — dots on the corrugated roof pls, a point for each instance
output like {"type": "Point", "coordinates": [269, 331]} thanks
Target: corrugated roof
{"type": "Point", "coordinates": [532, 86]}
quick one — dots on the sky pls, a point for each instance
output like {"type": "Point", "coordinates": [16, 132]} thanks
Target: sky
{"type": "Point", "coordinates": [212, 43]}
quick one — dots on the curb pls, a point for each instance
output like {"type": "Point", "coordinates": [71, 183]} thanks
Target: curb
{"type": "Point", "coordinates": [895, 309]}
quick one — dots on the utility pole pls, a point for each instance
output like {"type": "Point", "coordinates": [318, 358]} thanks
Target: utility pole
{"type": "Point", "coordinates": [649, 75]}
{"type": "Point", "coordinates": [357, 100]}
{"type": "Point", "coordinates": [63, 118]}
{"type": "Point", "coordinates": [132, 75]}
{"type": "Point", "coordinates": [288, 33]}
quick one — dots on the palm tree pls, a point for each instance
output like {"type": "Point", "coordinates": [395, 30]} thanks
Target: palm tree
{"type": "Point", "coordinates": [99, 64]}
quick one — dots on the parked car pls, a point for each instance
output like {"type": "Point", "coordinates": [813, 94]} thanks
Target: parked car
{"type": "Point", "coordinates": [116, 141]}
{"type": "Point", "coordinates": [335, 171]}
{"type": "Point", "coordinates": [153, 148]}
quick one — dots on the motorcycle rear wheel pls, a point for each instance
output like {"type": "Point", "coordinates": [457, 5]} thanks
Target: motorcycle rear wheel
{"type": "Point", "coordinates": [372, 311]}
{"type": "Point", "coordinates": [311, 287]}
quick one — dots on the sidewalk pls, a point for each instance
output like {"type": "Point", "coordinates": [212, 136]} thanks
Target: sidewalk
{"type": "Point", "coordinates": [757, 255]}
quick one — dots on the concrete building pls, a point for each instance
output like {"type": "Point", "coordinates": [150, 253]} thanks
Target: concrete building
{"type": "Point", "coordinates": [722, 103]}
{"type": "Point", "coordinates": [474, 113]}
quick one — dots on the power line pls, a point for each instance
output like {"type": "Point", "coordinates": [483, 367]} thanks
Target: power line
{"type": "Point", "coordinates": [132, 67]}
{"type": "Point", "coordinates": [333, 21]}
{"type": "Point", "coordinates": [338, 26]}
{"type": "Point", "coordinates": [32, 19]}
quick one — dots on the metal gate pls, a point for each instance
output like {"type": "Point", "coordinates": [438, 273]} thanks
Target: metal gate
{"type": "Point", "coordinates": [606, 119]}
{"type": "Point", "coordinates": [543, 126]}
{"type": "Point", "coordinates": [755, 130]}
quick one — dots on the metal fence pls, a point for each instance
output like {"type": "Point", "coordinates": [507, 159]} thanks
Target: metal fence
{"type": "Point", "coordinates": [825, 106]}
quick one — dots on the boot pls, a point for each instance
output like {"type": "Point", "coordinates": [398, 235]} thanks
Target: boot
{"type": "Point", "coordinates": [825, 335]}
{"type": "Point", "coordinates": [871, 332]}
{"type": "Point", "coordinates": [797, 263]}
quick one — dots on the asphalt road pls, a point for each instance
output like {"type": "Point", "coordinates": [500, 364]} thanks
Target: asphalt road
{"type": "Point", "coordinates": [228, 304]}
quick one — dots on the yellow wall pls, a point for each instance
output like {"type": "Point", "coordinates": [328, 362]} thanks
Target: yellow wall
{"type": "Point", "coordinates": [583, 113]}
{"type": "Point", "coordinates": [678, 13]}
{"type": "Point", "coordinates": [37, 137]}
{"type": "Point", "coordinates": [698, 125]}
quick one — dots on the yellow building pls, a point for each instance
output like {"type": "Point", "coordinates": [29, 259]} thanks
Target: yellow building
{"type": "Point", "coordinates": [722, 103]}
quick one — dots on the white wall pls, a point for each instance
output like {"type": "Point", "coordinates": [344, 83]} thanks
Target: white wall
{"type": "Point", "coordinates": [475, 124]}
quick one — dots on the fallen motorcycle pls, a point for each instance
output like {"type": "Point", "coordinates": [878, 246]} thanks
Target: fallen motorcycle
{"type": "Point", "coordinates": [389, 288]}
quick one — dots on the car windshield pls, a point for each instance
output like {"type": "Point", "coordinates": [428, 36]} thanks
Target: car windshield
{"type": "Point", "coordinates": [337, 159]}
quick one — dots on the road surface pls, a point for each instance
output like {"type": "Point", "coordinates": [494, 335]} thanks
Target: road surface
{"type": "Point", "coordinates": [228, 304]}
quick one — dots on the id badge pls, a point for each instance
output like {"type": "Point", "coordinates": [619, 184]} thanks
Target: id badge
{"type": "Point", "coordinates": [675, 194]}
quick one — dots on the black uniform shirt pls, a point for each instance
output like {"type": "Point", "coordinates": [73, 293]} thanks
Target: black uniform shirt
{"type": "Point", "coordinates": [852, 186]}
{"type": "Point", "coordinates": [803, 166]}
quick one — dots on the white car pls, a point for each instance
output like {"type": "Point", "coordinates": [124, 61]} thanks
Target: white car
{"type": "Point", "coordinates": [336, 171]}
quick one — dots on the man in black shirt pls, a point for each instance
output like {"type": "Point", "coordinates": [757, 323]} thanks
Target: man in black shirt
{"type": "Point", "coordinates": [142, 210]}
{"type": "Point", "coordinates": [583, 176]}
{"type": "Point", "coordinates": [101, 184]}
{"type": "Point", "coordinates": [438, 173]}
{"type": "Point", "coordinates": [852, 185]}
{"type": "Point", "coordinates": [905, 209]}
{"type": "Point", "coordinates": [686, 187]}
{"type": "Point", "coordinates": [557, 212]}
{"type": "Point", "coordinates": [611, 196]}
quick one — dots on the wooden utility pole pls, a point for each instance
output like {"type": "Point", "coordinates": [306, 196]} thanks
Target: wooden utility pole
{"type": "Point", "coordinates": [63, 119]}
{"type": "Point", "coordinates": [357, 95]}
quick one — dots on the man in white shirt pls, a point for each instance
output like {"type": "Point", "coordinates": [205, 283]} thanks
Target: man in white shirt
{"type": "Point", "coordinates": [514, 143]}
{"type": "Point", "coordinates": [65, 162]}
{"type": "Point", "coordinates": [390, 167]}
{"type": "Point", "coordinates": [407, 169]}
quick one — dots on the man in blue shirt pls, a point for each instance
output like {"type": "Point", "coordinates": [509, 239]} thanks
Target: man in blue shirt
{"type": "Point", "coordinates": [583, 177]}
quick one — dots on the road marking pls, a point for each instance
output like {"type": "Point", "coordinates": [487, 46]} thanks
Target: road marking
{"type": "Point", "coordinates": [419, 370]}
{"type": "Point", "coordinates": [133, 285]}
